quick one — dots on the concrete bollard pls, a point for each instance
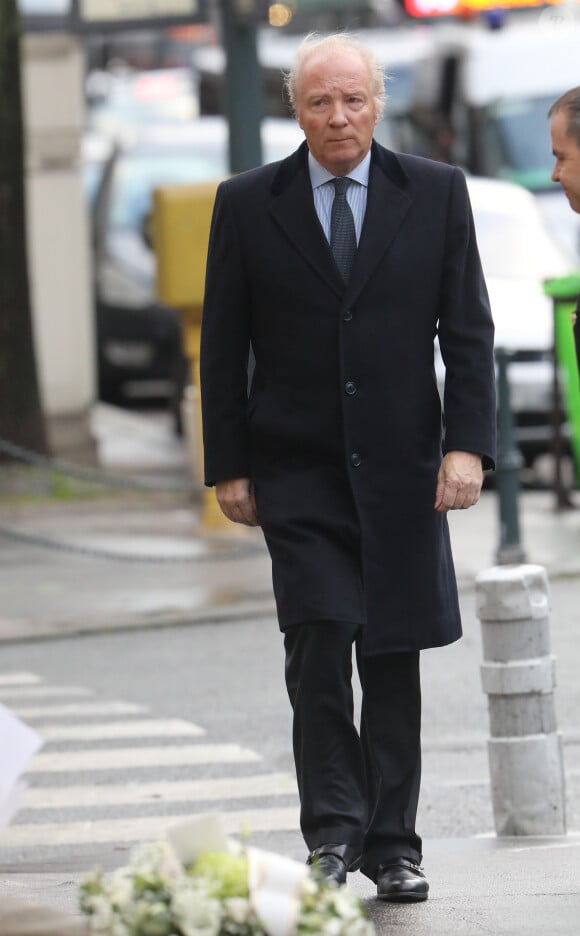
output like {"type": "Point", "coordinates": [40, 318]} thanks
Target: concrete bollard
{"type": "Point", "coordinates": [518, 677]}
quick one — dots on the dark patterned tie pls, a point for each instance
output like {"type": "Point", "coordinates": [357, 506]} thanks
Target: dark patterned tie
{"type": "Point", "coordinates": [342, 229]}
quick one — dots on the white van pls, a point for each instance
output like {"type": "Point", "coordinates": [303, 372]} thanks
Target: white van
{"type": "Point", "coordinates": [495, 89]}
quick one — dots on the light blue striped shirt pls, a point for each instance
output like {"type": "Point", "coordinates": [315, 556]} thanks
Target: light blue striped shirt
{"type": "Point", "coordinates": [323, 191]}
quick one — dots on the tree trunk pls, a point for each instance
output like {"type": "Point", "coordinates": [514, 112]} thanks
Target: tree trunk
{"type": "Point", "coordinates": [21, 419]}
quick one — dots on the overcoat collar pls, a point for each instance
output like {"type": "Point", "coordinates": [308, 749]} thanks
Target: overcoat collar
{"type": "Point", "coordinates": [292, 206]}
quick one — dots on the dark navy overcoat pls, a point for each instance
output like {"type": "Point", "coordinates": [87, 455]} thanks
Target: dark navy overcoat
{"type": "Point", "coordinates": [341, 430]}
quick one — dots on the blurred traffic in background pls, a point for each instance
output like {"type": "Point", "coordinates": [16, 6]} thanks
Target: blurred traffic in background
{"type": "Point", "coordinates": [467, 85]}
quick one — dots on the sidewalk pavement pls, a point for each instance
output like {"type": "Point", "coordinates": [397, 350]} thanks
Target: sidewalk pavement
{"type": "Point", "coordinates": [478, 887]}
{"type": "Point", "coordinates": [496, 886]}
{"type": "Point", "coordinates": [166, 570]}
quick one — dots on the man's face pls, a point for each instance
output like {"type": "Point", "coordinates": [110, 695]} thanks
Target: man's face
{"type": "Point", "coordinates": [567, 153]}
{"type": "Point", "coordinates": [336, 109]}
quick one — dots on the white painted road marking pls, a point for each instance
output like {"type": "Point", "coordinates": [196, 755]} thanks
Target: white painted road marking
{"type": "Point", "coordinates": [173, 791]}
{"type": "Point", "coordinates": [106, 731]}
{"type": "Point", "coordinates": [70, 721]}
{"type": "Point", "coordinates": [79, 709]}
{"type": "Point", "coordinates": [141, 828]}
{"type": "Point", "coordinates": [151, 757]}
{"type": "Point", "coordinates": [19, 679]}
{"type": "Point", "coordinates": [43, 692]}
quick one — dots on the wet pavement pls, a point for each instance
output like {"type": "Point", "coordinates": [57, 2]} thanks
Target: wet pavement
{"type": "Point", "coordinates": [128, 558]}
{"type": "Point", "coordinates": [479, 887]}
{"type": "Point", "coordinates": [116, 564]}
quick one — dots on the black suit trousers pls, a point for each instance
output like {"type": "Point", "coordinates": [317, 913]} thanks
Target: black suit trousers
{"type": "Point", "coordinates": [359, 789]}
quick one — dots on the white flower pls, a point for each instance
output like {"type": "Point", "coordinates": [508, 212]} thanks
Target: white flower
{"type": "Point", "coordinates": [309, 886]}
{"type": "Point", "coordinates": [149, 918]}
{"type": "Point", "coordinates": [169, 866]}
{"type": "Point", "coordinates": [238, 909]}
{"type": "Point", "coordinates": [99, 907]}
{"type": "Point", "coordinates": [120, 888]}
{"type": "Point", "coordinates": [346, 905]}
{"type": "Point", "coordinates": [157, 859]}
{"type": "Point", "coordinates": [119, 928]}
{"type": "Point", "coordinates": [195, 913]}
{"type": "Point", "coordinates": [156, 896]}
{"type": "Point", "coordinates": [332, 927]}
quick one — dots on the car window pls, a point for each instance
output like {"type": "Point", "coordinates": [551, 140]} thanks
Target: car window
{"type": "Point", "coordinates": [135, 178]}
{"type": "Point", "coordinates": [517, 131]}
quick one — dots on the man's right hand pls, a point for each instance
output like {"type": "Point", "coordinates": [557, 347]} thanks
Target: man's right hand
{"type": "Point", "coordinates": [236, 500]}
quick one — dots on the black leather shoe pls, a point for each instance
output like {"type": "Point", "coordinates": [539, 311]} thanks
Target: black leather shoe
{"type": "Point", "coordinates": [332, 862]}
{"type": "Point", "coordinates": [401, 880]}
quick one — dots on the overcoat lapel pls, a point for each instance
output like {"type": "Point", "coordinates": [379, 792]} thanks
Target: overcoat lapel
{"type": "Point", "coordinates": [293, 209]}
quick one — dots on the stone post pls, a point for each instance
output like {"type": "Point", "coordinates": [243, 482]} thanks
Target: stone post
{"type": "Point", "coordinates": [518, 677]}
{"type": "Point", "coordinates": [59, 241]}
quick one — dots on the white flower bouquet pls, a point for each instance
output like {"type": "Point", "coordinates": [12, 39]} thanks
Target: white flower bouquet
{"type": "Point", "coordinates": [199, 883]}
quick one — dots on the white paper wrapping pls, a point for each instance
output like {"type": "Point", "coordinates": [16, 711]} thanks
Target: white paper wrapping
{"type": "Point", "coordinates": [18, 744]}
{"type": "Point", "coordinates": [196, 835]}
{"type": "Point", "coordinates": [275, 885]}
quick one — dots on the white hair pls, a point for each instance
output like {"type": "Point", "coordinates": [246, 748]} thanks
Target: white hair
{"type": "Point", "coordinates": [337, 42]}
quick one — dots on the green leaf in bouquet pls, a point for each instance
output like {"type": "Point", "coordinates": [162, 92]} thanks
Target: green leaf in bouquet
{"type": "Point", "coordinates": [151, 919]}
{"type": "Point", "coordinates": [226, 874]}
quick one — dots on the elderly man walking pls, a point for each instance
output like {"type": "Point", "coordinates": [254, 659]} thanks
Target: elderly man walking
{"type": "Point", "coordinates": [339, 266]}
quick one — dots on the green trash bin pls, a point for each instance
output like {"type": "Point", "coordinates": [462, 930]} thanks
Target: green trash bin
{"type": "Point", "coordinates": [564, 292]}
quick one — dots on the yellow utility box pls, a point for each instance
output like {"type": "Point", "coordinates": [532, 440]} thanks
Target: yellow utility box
{"type": "Point", "coordinates": [180, 232]}
{"type": "Point", "coordinates": [181, 221]}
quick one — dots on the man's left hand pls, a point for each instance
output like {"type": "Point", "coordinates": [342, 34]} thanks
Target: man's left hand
{"type": "Point", "coordinates": [458, 482]}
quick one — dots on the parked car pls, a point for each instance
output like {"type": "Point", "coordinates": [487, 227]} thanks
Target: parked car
{"type": "Point", "coordinates": [138, 338]}
{"type": "Point", "coordinates": [121, 102]}
{"type": "Point", "coordinates": [495, 89]}
{"type": "Point", "coordinates": [517, 256]}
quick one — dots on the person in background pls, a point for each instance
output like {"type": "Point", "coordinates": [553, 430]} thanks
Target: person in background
{"type": "Point", "coordinates": [338, 266]}
{"type": "Point", "coordinates": [564, 117]}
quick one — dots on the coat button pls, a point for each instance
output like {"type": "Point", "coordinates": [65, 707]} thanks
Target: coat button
{"type": "Point", "coordinates": [355, 459]}
{"type": "Point", "coordinates": [350, 388]}
{"type": "Point", "coordinates": [347, 315]}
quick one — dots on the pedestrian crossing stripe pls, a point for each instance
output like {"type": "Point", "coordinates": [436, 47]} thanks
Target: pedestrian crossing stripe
{"type": "Point", "coordinates": [171, 791]}
{"type": "Point", "coordinates": [66, 716]}
{"type": "Point", "coordinates": [151, 757]}
{"type": "Point", "coordinates": [122, 831]}
{"type": "Point", "coordinates": [19, 679]}
{"type": "Point", "coordinates": [77, 710]}
{"type": "Point", "coordinates": [42, 692]}
{"type": "Point", "coordinates": [109, 731]}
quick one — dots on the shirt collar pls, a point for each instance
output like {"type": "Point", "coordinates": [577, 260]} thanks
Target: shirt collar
{"type": "Point", "coordinates": [319, 175]}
